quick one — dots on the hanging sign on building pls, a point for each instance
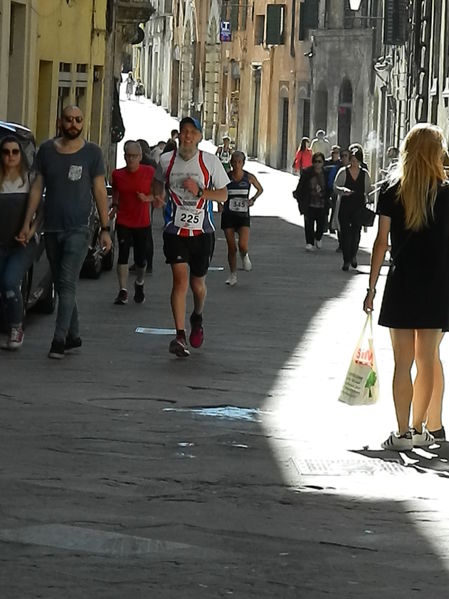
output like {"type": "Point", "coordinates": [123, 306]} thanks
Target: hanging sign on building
{"type": "Point", "coordinates": [225, 31]}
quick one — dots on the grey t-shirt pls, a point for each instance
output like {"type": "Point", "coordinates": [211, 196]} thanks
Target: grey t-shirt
{"type": "Point", "coordinates": [68, 180]}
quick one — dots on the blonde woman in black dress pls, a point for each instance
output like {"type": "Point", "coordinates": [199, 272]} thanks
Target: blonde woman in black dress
{"type": "Point", "coordinates": [414, 210]}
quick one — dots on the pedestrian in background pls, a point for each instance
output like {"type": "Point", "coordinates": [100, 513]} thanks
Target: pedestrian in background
{"type": "Point", "coordinates": [193, 180]}
{"type": "Point", "coordinates": [140, 90]}
{"type": "Point", "coordinates": [312, 195]}
{"type": "Point", "coordinates": [131, 198]}
{"type": "Point", "coordinates": [149, 253]}
{"type": "Point", "coordinates": [157, 150]}
{"type": "Point", "coordinates": [15, 258]}
{"type": "Point", "coordinates": [320, 143]}
{"type": "Point", "coordinates": [353, 184]}
{"type": "Point", "coordinates": [331, 167]}
{"type": "Point", "coordinates": [414, 210]}
{"type": "Point", "coordinates": [129, 85]}
{"type": "Point", "coordinates": [345, 157]}
{"type": "Point", "coordinates": [303, 156]}
{"type": "Point", "coordinates": [71, 170]}
{"type": "Point", "coordinates": [235, 217]}
{"type": "Point", "coordinates": [224, 153]}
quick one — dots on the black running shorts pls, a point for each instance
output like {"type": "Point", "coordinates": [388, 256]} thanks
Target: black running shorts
{"type": "Point", "coordinates": [196, 251]}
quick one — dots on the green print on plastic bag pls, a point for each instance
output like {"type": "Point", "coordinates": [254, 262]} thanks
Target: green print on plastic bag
{"type": "Point", "coordinates": [370, 382]}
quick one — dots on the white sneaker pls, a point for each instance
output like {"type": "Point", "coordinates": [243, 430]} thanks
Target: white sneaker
{"type": "Point", "coordinates": [16, 338]}
{"type": "Point", "coordinates": [319, 243]}
{"type": "Point", "coordinates": [232, 279]}
{"type": "Point", "coordinates": [246, 263]}
{"type": "Point", "coordinates": [309, 247]}
{"type": "Point", "coordinates": [423, 439]}
{"type": "Point", "coordinates": [397, 442]}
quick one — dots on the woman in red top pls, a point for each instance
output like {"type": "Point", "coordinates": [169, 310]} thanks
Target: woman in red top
{"type": "Point", "coordinates": [303, 156]}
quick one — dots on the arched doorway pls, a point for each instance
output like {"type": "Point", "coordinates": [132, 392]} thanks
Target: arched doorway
{"type": "Point", "coordinates": [344, 113]}
{"type": "Point", "coordinates": [321, 107]}
{"type": "Point", "coordinates": [211, 82]}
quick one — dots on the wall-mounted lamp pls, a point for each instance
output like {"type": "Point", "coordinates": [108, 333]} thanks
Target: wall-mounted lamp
{"type": "Point", "coordinates": [355, 5]}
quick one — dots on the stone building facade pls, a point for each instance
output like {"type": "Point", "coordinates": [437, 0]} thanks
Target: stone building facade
{"type": "Point", "coordinates": [54, 53]}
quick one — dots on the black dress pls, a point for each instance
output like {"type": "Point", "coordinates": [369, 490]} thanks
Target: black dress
{"type": "Point", "coordinates": [416, 292]}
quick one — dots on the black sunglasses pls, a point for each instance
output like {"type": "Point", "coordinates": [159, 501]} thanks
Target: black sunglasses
{"type": "Point", "coordinates": [8, 152]}
{"type": "Point", "coordinates": [70, 119]}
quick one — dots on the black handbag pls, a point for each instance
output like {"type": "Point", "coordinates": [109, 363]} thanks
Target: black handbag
{"type": "Point", "coordinates": [365, 217]}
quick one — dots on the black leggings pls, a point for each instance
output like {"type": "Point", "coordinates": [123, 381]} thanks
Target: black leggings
{"type": "Point", "coordinates": [314, 217]}
{"type": "Point", "coordinates": [349, 235]}
{"type": "Point", "coordinates": [137, 237]}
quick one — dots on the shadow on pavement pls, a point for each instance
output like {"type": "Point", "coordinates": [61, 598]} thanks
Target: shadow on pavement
{"type": "Point", "coordinates": [106, 442]}
{"type": "Point", "coordinates": [432, 459]}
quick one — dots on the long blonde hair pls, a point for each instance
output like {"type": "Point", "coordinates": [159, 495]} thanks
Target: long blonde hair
{"type": "Point", "coordinates": [420, 172]}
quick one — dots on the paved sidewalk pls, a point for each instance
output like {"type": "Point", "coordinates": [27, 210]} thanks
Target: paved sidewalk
{"type": "Point", "coordinates": [116, 481]}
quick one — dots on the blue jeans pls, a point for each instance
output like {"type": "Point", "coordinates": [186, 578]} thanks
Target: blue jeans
{"type": "Point", "coordinates": [14, 262]}
{"type": "Point", "coordinates": [66, 252]}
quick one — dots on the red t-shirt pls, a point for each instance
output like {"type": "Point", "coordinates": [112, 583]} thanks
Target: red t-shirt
{"type": "Point", "coordinates": [131, 211]}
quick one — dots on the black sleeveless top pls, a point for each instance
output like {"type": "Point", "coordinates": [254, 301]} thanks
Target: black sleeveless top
{"type": "Point", "coordinates": [238, 196]}
{"type": "Point", "coordinates": [356, 200]}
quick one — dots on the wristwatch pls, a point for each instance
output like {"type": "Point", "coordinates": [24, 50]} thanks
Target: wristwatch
{"type": "Point", "coordinates": [108, 229]}
{"type": "Point", "coordinates": [200, 192]}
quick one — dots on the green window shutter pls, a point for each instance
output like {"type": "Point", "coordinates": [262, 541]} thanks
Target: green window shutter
{"type": "Point", "coordinates": [234, 15]}
{"type": "Point", "coordinates": [395, 22]}
{"type": "Point", "coordinates": [310, 14]}
{"type": "Point", "coordinates": [244, 14]}
{"type": "Point", "coordinates": [275, 24]}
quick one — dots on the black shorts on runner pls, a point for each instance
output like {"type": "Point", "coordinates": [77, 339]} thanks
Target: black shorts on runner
{"type": "Point", "coordinates": [132, 236]}
{"type": "Point", "coordinates": [196, 251]}
{"type": "Point", "coordinates": [229, 220]}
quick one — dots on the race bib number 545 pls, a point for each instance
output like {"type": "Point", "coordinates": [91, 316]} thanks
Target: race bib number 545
{"type": "Point", "coordinates": [238, 205]}
{"type": "Point", "coordinates": [189, 218]}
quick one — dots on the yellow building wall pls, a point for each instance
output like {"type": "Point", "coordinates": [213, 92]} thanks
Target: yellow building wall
{"type": "Point", "coordinates": [18, 36]}
{"type": "Point", "coordinates": [70, 58]}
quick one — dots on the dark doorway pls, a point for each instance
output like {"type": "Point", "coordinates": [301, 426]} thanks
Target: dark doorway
{"type": "Point", "coordinates": [321, 107]}
{"type": "Point", "coordinates": [345, 114]}
{"type": "Point", "coordinates": [284, 133]}
{"type": "Point", "coordinates": [255, 140]}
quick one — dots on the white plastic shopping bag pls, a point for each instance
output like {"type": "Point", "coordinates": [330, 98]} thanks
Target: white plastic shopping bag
{"type": "Point", "coordinates": [361, 386]}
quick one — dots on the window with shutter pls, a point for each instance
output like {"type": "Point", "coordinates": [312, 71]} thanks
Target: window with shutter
{"type": "Point", "coordinates": [395, 22]}
{"type": "Point", "coordinates": [234, 15]}
{"type": "Point", "coordinates": [311, 14]}
{"type": "Point", "coordinates": [308, 17]}
{"type": "Point", "coordinates": [275, 24]}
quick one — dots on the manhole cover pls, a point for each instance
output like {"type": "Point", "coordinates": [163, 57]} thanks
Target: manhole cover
{"type": "Point", "coordinates": [322, 467]}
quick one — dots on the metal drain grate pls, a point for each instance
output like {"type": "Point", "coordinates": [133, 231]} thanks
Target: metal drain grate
{"type": "Point", "coordinates": [323, 467]}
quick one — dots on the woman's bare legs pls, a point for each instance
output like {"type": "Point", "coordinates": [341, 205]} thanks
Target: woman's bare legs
{"type": "Point", "coordinates": [433, 419]}
{"type": "Point", "coordinates": [426, 350]}
{"type": "Point", "coordinates": [403, 342]}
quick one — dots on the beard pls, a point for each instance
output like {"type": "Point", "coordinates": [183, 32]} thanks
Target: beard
{"type": "Point", "coordinates": [187, 152]}
{"type": "Point", "coordinates": [71, 132]}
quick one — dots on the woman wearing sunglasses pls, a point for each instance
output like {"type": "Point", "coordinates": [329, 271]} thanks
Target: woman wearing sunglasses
{"type": "Point", "coordinates": [15, 258]}
{"type": "Point", "coordinates": [312, 195]}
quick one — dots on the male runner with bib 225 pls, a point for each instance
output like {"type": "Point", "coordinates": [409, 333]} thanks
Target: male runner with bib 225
{"type": "Point", "coordinates": [193, 180]}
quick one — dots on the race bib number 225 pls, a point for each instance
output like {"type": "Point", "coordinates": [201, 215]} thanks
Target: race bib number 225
{"type": "Point", "coordinates": [186, 218]}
